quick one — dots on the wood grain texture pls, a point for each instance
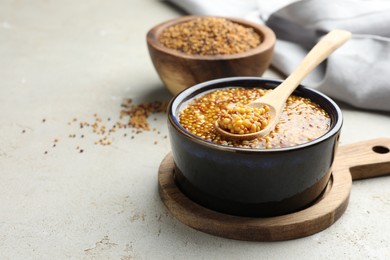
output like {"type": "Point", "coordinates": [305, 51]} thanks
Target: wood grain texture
{"type": "Point", "coordinates": [363, 160]}
{"type": "Point", "coordinates": [179, 71]}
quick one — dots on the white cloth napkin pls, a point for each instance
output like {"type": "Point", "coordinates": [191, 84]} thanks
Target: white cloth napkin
{"type": "Point", "coordinates": [358, 73]}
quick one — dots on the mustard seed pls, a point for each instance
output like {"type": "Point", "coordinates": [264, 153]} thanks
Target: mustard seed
{"type": "Point", "coordinates": [241, 119]}
{"type": "Point", "coordinates": [138, 116]}
{"type": "Point", "coordinates": [293, 128]}
{"type": "Point", "coordinates": [209, 36]}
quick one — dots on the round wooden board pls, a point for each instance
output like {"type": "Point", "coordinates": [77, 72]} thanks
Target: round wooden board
{"type": "Point", "coordinates": [295, 225]}
{"type": "Point", "coordinates": [356, 161]}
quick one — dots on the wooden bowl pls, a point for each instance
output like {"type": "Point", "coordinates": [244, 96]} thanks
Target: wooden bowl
{"type": "Point", "coordinates": [179, 71]}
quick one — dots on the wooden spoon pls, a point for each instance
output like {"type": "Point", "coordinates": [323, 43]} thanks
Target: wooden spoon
{"type": "Point", "coordinates": [276, 99]}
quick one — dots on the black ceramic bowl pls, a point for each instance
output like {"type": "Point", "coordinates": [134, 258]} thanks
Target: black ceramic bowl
{"type": "Point", "coordinates": [251, 182]}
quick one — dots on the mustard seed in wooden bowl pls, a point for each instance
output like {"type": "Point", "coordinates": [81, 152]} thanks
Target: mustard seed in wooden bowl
{"type": "Point", "coordinates": [209, 36]}
{"type": "Point", "coordinates": [192, 49]}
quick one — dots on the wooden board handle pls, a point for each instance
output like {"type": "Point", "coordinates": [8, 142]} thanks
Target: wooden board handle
{"type": "Point", "coordinates": [365, 159]}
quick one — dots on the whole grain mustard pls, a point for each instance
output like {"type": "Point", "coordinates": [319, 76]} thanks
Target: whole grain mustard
{"type": "Point", "coordinates": [301, 121]}
{"type": "Point", "coordinates": [242, 119]}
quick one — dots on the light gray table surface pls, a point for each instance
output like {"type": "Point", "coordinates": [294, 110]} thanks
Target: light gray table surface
{"type": "Point", "coordinates": [65, 60]}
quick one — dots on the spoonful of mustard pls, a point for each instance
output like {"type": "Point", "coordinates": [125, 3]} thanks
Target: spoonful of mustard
{"type": "Point", "coordinates": [259, 117]}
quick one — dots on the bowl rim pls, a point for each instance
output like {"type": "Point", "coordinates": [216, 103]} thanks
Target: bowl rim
{"type": "Point", "coordinates": [177, 100]}
{"type": "Point", "coordinates": [268, 38]}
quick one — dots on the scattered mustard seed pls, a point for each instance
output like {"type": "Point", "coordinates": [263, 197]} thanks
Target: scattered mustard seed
{"type": "Point", "coordinates": [133, 116]}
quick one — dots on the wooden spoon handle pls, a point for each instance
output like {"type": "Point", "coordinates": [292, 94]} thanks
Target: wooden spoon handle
{"type": "Point", "coordinates": [327, 45]}
{"type": "Point", "coordinates": [365, 159]}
